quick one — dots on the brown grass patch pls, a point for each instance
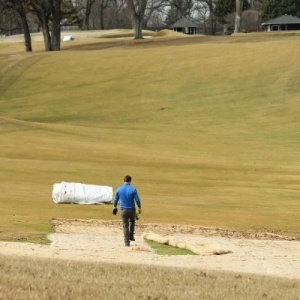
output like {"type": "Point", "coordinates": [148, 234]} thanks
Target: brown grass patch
{"type": "Point", "coordinates": [27, 278]}
{"type": "Point", "coordinates": [168, 32]}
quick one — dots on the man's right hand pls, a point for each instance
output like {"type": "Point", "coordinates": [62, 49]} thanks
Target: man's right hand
{"type": "Point", "coordinates": [140, 210]}
{"type": "Point", "coordinates": [115, 211]}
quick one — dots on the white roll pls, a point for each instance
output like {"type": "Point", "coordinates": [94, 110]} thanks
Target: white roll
{"type": "Point", "coordinates": [78, 193]}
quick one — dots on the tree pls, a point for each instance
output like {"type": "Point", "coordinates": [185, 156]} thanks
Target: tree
{"type": "Point", "coordinates": [137, 9]}
{"type": "Point", "coordinates": [154, 13]}
{"type": "Point", "coordinates": [211, 4]}
{"type": "Point", "coordinates": [86, 7]}
{"type": "Point", "coordinates": [55, 9]}
{"type": "Point", "coordinates": [103, 5]}
{"type": "Point", "coordinates": [9, 21]}
{"type": "Point", "coordinates": [272, 9]}
{"type": "Point", "coordinates": [20, 7]}
{"type": "Point", "coordinates": [42, 12]}
{"type": "Point", "coordinates": [70, 14]}
{"type": "Point", "coordinates": [202, 15]}
{"type": "Point", "coordinates": [172, 15]}
{"type": "Point", "coordinates": [118, 14]}
{"type": "Point", "coordinates": [224, 8]}
{"type": "Point", "coordinates": [179, 9]}
{"type": "Point", "coordinates": [211, 19]}
{"type": "Point", "coordinates": [238, 15]}
{"type": "Point", "coordinates": [255, 5]}
{"type": "Point", "coordinates": [50, 15]}
{"type": "Point", "coordinates": [251, 20]}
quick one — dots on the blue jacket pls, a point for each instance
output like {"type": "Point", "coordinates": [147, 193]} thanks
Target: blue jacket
{"type": "Point", "coordinates": [127, 194]}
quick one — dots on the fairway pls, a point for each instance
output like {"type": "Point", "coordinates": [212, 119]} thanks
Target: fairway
{"type": "Point", "coordinates": [208, 127]}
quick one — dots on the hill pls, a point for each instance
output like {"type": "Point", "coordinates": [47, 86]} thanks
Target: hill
{"type": "Point", "coordinates": [208, 127]}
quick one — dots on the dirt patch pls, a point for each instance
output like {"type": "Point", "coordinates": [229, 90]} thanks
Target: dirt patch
{"type": "Point", "coordinates": [65, 225]}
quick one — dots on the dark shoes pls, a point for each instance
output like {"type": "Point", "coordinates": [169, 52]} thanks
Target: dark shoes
{"type": "Point", "coordinates": [131, 238]}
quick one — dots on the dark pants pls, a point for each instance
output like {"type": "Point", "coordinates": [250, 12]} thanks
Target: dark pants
{"type": "Point", "coordinates": [128, 219]}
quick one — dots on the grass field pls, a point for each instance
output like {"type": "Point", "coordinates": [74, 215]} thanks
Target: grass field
{"type": "Point", "coordinates": [25, 278]}
{"type": "Point", "coordinates": [208, 127]}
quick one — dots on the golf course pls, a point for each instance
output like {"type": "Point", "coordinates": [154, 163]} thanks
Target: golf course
{"type": "Point", "coordinates": [208, 128]}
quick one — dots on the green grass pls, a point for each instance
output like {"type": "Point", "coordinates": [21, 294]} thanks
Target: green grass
{"type": "Point", "coordinates": [25, 237]}
{"type": "Point", "coordinates": [162, 249]}
{"type": "Point", "coordinates": [208, 127]}
{"type": "Point", "coordinates": [31, 278]}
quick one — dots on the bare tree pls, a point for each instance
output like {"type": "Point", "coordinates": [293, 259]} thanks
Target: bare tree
{"type": "Point", "coordinates": [251, 20]}
{"type": "Point", "coordinates": [211, 20]}
{"type": "Point", "coordinates": [203, 15]}
{"type": "Point", "coordinates": [55, 8]}
{"type": "Point", "coordinates": [211, 4]}
{"type": "Point", "coordinates": [178, 9]}
{"type": "Point", "coordinates": [117, 14]}
{"type": "Point", "coordinates": [92, 12]}
{"type": "Point", "coordinates": [155, 9]}
{"type": "Point", "coordinates": [137, 9]}
{"type": "Point", "coordinates": [103, 5]}
{"type": "Point", "coordinates": [238, 15]}
{"type": "Point", "coordinates": [184, 7]}
{"type": "Point", "coordinates": [20, 7]}
{"type": "Point", "coordinates": [42, 12]}
{"type": "Point", "coordinates": [156, 21]}
{"type": "Point", "coordinates": [87, 6]}
{"type": "Point", "coordinates": [49, 14]}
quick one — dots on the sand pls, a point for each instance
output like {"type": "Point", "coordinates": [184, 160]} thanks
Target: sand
{"type": "Point", "coordinates": [96, 241]}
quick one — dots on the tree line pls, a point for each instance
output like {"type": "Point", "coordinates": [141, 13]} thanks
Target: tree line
{"type": "Point", "coordinates": [50, 16]}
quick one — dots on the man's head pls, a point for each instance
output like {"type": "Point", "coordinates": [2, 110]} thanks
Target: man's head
{"type": "Point", "coordinates": [127, 179]}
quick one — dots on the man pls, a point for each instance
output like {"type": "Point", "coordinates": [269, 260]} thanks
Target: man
{"type": "Point", "coordinates": [128, 196]}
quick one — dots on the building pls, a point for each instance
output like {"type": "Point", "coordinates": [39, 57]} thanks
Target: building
{"type": "Point", "coordinates": [282, 23]}
{"type": "Point", "coordinates": [184, 25]}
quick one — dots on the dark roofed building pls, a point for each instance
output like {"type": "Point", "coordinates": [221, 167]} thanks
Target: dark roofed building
{"type": "Point", "coordinates": [184, 25]}
{"type": "Point", "coordinates": [282, 23]}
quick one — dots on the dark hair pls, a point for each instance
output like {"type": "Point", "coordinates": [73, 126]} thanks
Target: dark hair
{"type": "Point", "coordinates": [127, 178]}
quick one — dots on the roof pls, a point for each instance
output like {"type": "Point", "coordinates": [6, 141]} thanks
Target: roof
{"type": "Point", "coordinates": [285, 19]}
{"type": "Point", "coordinates": [184, 22]}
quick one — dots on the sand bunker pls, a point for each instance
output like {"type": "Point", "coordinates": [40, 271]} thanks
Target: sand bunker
{"type": "Point", "coordinates": [97, 241]}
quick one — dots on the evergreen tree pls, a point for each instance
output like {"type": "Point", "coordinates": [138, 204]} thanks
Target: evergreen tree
{"type": "Point", "coordinates": [272, 9]}
{"type": "Point", "coordinates": [226, 7]}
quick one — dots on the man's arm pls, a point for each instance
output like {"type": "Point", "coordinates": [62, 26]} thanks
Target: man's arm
{"type": "Point", "coordinates": [138, 201]}
{"type": "Point", "coordinates": [117, 197]}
